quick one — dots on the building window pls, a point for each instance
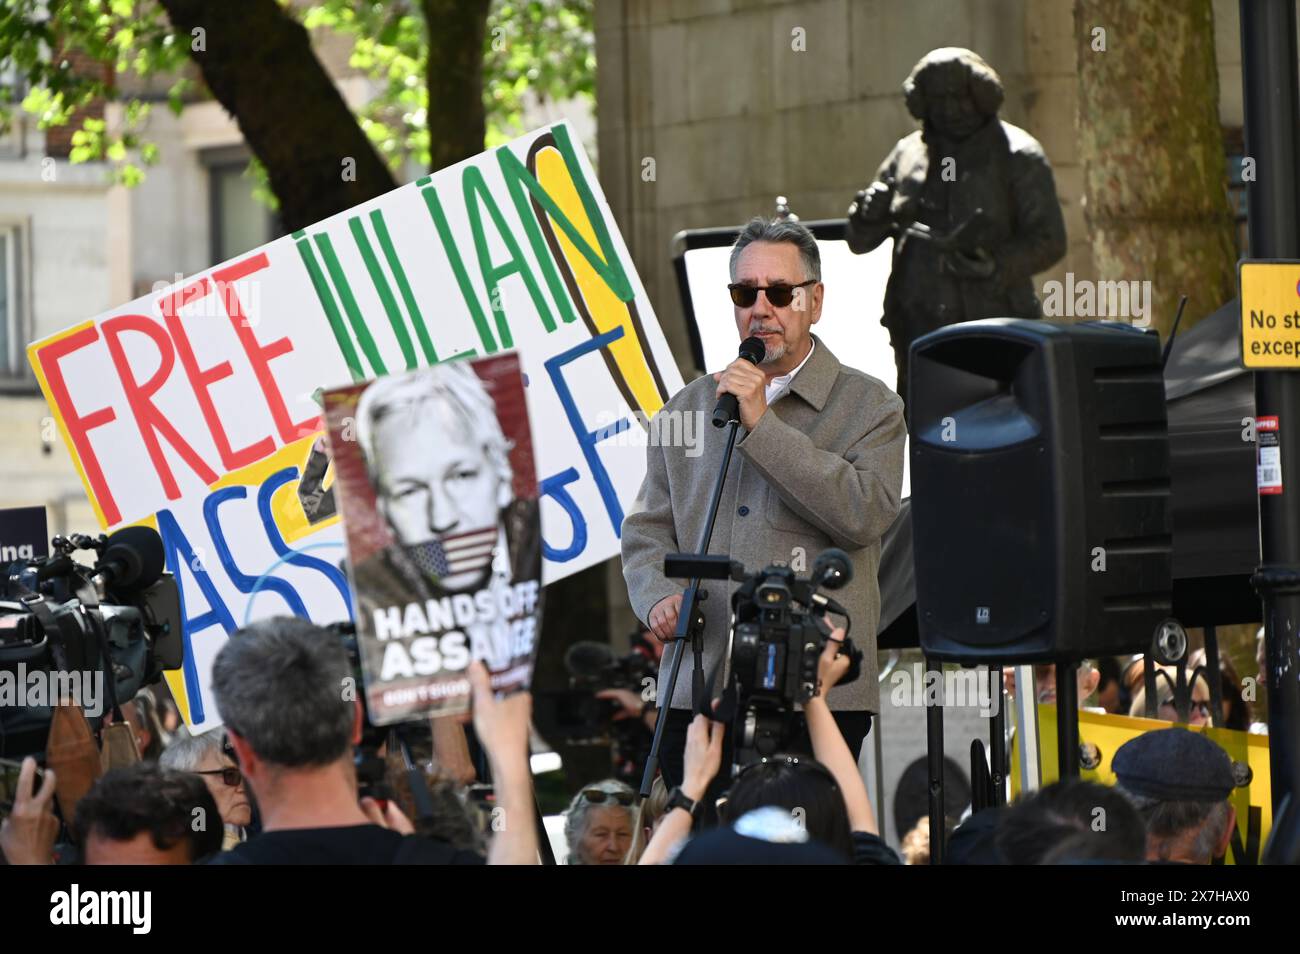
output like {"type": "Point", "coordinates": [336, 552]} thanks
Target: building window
{"type": "Point", "coordinates": [239, 221]}
{"type": "Point", "coordinates": [13, 327]}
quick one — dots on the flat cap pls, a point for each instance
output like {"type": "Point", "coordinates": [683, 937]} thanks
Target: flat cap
{"type": "Point", "coordinates": [1174, 765]}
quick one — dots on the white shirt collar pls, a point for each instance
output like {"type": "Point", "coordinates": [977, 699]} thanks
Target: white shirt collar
{"type": "Point", "coordinates": [778, 384]}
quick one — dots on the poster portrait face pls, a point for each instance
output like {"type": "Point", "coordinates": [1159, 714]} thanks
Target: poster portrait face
{"type": "Point", "coordinates": [441, 470]}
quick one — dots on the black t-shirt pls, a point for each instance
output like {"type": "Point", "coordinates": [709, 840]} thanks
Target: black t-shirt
{"type": "Point", "coordinates": [868, 849]}
{"type": "Point", "coordinates": [348, 845]}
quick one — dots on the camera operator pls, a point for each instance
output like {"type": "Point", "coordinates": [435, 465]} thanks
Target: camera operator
{"type": "Point", "coordinates": [829, 792]}
{"type": "Point", "coordinates": [296, 758]}
{"type": "Point", "coordinates": [633, 704]}
{"type": "Point", "coordinates": [610, 700]}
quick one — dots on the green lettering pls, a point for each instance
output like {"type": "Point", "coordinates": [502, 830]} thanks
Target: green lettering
{"type": "Point", "coordinates": [326, 297]}
{"type": "Point", "coordinates": [434, 204]}
{"type": "Point", "coordinates": [355, 317]}
{"type": "Point", "coordinates": [385, 293]}
{"type": "Point", "coordinates": [607, 263]}
{"type": "Point", "coordinates": [478, 197]}
{"type": "Point", "coordinates": [403, 286]}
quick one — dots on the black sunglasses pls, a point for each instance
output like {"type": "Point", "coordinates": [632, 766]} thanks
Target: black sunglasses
{"type": "Point", "coordinates": [743, 296]}
{"type": "Point", "coordinates": [231, 776]}
{"type": "Point", "coordinates": [597, 797]}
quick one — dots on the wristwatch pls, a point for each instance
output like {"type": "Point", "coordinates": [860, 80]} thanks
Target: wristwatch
{"type": "Point", "coordinates": [679, 799]}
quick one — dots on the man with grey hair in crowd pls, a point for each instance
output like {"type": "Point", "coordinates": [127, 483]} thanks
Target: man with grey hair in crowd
{"type": "Point", "coordinates": [1179, 782]}
{"type": "Point", "coordinates": [818, 464]}
{"type": "Point", "coordinates": [285, 690]}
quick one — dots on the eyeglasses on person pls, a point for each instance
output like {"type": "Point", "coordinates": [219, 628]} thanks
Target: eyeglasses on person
{"type": "Point", "coordinates": [597, 797]}
{"type": "Point", "coordinates": [780, 295]}
{"type": "Point", "coordinates": [230, 775]}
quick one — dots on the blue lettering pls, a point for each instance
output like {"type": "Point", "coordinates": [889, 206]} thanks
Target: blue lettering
{"type": "Point", "coordinates": [243, 582]}
{"type": "Point", "coordinates": [588, 439]}
{"type": "Point", "coordinates": [554, 487]}
{"type": "Point", "coordinates": [180, 553]}
{"type": "Point", "coordinates": [282, 549]}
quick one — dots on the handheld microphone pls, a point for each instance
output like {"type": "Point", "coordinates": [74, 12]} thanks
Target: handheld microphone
{"type": "Point", "coordinates": [754, 351]}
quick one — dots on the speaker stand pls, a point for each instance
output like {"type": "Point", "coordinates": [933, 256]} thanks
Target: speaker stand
{"type": "Point", "coordinates": [1067, 719]}
{"type": "Point", "coordinates": [934, 759]}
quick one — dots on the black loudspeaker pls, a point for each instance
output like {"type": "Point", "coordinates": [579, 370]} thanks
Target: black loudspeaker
{"type": "Point", "coordinates": [1040, 490]}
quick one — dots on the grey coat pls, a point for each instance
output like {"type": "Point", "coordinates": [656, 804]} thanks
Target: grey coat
{"type": "Point", "coordinates": [823, 467]}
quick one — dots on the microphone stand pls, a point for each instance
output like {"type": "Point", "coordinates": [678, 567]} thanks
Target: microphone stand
{"type": "Point", "coordinates": [690, 622]}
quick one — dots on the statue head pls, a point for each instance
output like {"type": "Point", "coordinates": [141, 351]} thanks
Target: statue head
{"type": "Point", "coordinates": [953, 91]}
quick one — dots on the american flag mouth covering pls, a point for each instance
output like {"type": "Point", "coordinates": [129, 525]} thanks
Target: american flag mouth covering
{"type": "Point", "coordinates": [453, 555]}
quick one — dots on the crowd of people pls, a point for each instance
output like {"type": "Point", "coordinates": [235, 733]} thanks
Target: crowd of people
{"type": "Point", "coordinates": [1116, 685]}
{"type": "Point", "coordinates": [279, 784]}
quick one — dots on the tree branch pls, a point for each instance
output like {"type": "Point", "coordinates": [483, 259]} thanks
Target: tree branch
{"type": "Point", "coordinates": [259, 64]}
{"type": "Point", "coordinates": [456, 30]}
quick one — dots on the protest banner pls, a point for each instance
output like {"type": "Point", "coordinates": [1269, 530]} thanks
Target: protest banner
{"type": "Point", "coordinates": [1101, 735]}
{"type": "Point", "coordinates": [195, 409]}
{"type": "Point", "coordinates": [435, 482]}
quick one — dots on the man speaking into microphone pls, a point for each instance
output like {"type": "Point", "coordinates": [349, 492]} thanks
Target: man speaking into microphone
{"type": "Point", "coordinates": [818, 463]}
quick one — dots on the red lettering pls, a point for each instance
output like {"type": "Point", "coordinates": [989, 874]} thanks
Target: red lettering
{"type": "Point", "coordinates": [259, 355]}
{"type": "Point", "coordinates": [79, 426]}
{"type": "Point", "coordinates": [201, 379]}
{"type": "Point", "coordinates": [140, 397]}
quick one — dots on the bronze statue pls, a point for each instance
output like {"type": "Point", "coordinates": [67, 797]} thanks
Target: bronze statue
{"type": "Point", "coordinates": [969, 201]}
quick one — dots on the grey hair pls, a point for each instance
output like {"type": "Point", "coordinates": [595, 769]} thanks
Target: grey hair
{"type": "Point", "coordinates": [453, 384]}
{"type": "Point", "coordinates": [279, 684]}
{"type": "Point", "coordinates": [1168, 821]}
{"type": "Point", "coordinates": [187, 752]}
{"type": "Point", "coordinates": [760, 229]}
{"type": "Point", "coordinates": [575, 817]}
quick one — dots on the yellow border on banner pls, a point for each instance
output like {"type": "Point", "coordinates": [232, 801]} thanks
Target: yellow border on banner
{"type": "Point", "coordinates": [58, 418]}
{"type": "Point", "coordinates": [607, 310]}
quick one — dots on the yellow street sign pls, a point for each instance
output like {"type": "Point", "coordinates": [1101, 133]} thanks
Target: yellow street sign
{"type": "Point", "coordinates": [1270, 314]}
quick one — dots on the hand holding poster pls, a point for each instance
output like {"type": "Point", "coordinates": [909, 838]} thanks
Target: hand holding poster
{"type": "Point", "coordinates": [434, 473]}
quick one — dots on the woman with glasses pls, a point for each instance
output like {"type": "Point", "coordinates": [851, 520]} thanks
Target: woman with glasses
{"type": "Point", "coordinates": [206, 757]}
{"type": "Point", "coordinates": [599, 824]}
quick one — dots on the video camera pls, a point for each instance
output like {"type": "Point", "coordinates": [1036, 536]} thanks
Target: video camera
{"type": "Point", "coordinates": [578, 716]}
{"type": "Point", "coordinates": [779, 634]}
{"type": "Point", "coordinates": [63, 622]}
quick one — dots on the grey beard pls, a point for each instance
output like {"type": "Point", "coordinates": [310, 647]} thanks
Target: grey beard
{"type": "Point", "coordinates": [775, 352]}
